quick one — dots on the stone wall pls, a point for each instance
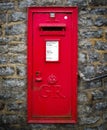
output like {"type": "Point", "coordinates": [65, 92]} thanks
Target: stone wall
{"type": "Point", "coordinates": [92, 51]}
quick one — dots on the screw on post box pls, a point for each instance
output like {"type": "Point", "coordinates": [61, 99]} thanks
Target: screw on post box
{"type": "Point", "coordinates": [52, 15]}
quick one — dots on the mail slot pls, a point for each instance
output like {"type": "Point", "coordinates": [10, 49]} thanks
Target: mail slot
{"type": "Point", "coordinates": [52, 65]}
{"type": "Point", "coordinates": [52, 29]}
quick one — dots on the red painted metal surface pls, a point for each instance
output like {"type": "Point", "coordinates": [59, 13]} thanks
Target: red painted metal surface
{"type": "Point", "coordinates": [52, 65]}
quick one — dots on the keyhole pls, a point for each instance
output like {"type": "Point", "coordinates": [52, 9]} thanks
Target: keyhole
{"type": "Point", "coordinates": [37, 73]}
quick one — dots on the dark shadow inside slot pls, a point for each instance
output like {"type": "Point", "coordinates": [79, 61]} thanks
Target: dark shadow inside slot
{"type": "Point", "coordinates": [52, 28]}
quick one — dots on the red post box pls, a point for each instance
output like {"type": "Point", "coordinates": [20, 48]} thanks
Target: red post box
{"type": "Point", "coordinates": [52, 64]}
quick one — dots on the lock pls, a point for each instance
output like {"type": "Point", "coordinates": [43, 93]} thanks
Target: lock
{"type": "Point", "coordinates": [38, 76]}
{"type": "Point", "coordinates": [37, 73]}
{"type": "Point", "coordinates": [38, 79]}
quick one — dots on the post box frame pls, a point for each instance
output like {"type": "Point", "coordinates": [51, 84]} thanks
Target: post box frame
{"type": "Point", "coordinates": [31, 11]}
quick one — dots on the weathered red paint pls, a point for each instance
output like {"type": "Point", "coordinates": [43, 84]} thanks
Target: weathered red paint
{"type": "Point", "coordinates": [52, 65]}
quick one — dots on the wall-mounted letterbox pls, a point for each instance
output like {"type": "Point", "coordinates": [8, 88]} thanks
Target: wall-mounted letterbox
{"type": "Point", "coordinates": [52, 64]}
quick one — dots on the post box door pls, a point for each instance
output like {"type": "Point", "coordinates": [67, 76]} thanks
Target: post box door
{"type": "Point", "coordinates": [53, 65]}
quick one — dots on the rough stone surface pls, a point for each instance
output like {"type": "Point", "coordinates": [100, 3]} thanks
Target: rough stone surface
{"type": "Point", "coordinates": [4, 95]}
{"type": "Point", "coordinates": [14, 83]}
{"type": "Point", "coordinates": [105, 57]}
{"type": "Point", "coordinates": [105, 116]}
{"type": "Point", "coordinates": [80, 3]}
{"type": "Point", "coordinates": [93, 84]}
{"type": "Point", "coordinates": [20, 58]}
{"type": "Point", "coordinates": [16, 29]}
{"type": "Point", "coordinates": [101, 45]}
{"type": "Point", "coordinates": [98, 2]}
{"type": "Point", "coordinates": [98, 94]}
{"type": "Point", "coordinates": [3, 49]}
{"type": "Point", "coordinates": [82, 98]}
{"type": "Point", "coordinates": [0, 31]}
{"type": "Point", "coordinates": [5, 71]}
{"type": "Point", "coordinates": [3, 59]}
{"type": "Point", "coordinates": [90, 129]}
{"type": "Point", "coordinates": [86, 45]}
{"type": "Point", "coordinates": [92, 62]}
{"type": "Point", "coordinates": [84, 109]}
{"type": "Point", "coordinates": [100, 70]}
{"type": "Point", "coordinates": [89, 120]}
{"type": "Point", "coordinates": [10, 119]}
{"type": "Point", "coordinates": [99, 11]}
{"type": "Point", "coordinates": [92, 34]}
{"type": "Point", "coordinates": [82, 58]}
{"type": "Point", "coordinates": [3, 40]}
{"type": "Point", "coordinates": [88, 71]}
{"type": "Point", "coordinates": [15, 106]}
{"type": "Point", "coordinates": [26, 3]}
{"type": "Point", "coordinates": [17, 48]}
{"type": "Point", "coordinates": [21, 71]}
{"type": "Point", "coordinates": [94, 57]}
{"type": "Point", "coordinates": [101, 105]}
{"type": "Point", "coordinates": [100, 21]}
{"type": "Point", "coordinates": [17, 16]}
{"type": "Point", "coordinates": [2, 18]}
{"type": "Point", "coordinates": [2, 105]}
{"type": "Point", "coordinates": [6, 6]}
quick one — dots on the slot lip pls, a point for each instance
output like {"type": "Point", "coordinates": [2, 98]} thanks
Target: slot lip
{"type": "Point", "coordinates": [52, 29]}
{"type": "Point", "coordinates": [52, 25]}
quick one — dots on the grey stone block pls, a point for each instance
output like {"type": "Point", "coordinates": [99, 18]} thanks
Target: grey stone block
{"type": "Point", "coordinates": [16, 29]}
{"type": "Point", "coordinates": [85, 45]}
{"type": "Point", "coordinates": [3, 59]}
{"type": "Point", "coordinates": [82, 58]}
{"type": "Point", "coordinates": [93, 84]}
{"type": "Point", "coordinates": [80, 3]}
{"type": "Point", "coordinates": [3, 49]}
{"type": "Point", "coordinates": [89, 120]}
{"type": "Point", "coordinates": [6, 71]}
{"type": "Point", "coordinates": [88, 71]}
{"type": "Point", "coordinates": [100, 45]}
{"type": "Point", "coordinates": [105, 57]}
{"type": "Point", "coordinates": [101, 127]}
{"type": "Point", "coordinates": [98, 2]}
{"type": "Point", "coordinates": [94, 56]}
{"type": "Point", "coordinates": [105, 116]}
{"type": "Point", "coordinates": [6, 6]}
{"type": "Point", "coordinates": [2, 18]}
{"type": "Point", "coordinates": [97, 94]}
{"type": "Point", "coordinates": [20, 58]}
{"type": "Point", "coordinates": [99, 11]}
{"type": "Point", "coordinates": [99, 70]}
{"type": "Point", "coordinates": [4, 40]}
{"type": "Point", "coordinates": [17, 48]}
{"type": "Point", "coordinates": [84, 109]}
{"type": "Point", "coordinates": [14, 83]}
{"type": "Point", "coordinates": [26, 3]}
{"type": "Point", "coordinates": [82, 97]}
{"type": "Point", "coordinates": [17, 16]}
{"type": "Point", "coordinates": [9, 119]}
{"type": "Point", "coordinates": [5, 94]}
{"type": "Point", "coordinates": [92, 34]}
{"type": "Point", "coordinates": [100, 106]}
{"type": "Point", "coordinates": [21, 70]}
{"type": "Point", "coordinates": [15, 106]}
{"type": "Point", "coordinates": [100, 21]}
